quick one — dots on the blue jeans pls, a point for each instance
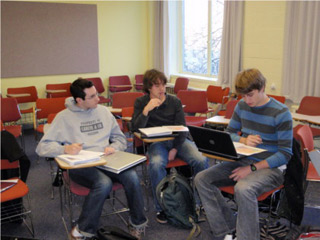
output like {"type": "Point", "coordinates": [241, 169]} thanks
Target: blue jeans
{"type": "Point", "coordinates": [100, 184]}
{"type": "Point", "coordinates": [220, 217]}
{"type": "Point", "coordinates": [158, 157]}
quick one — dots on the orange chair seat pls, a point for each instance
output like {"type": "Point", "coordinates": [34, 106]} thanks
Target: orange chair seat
{"type": "Point", "coordinates": [15, 130]}
{"type": "Point", "coordinates": [263, 196]}
{"type": "Point", "coordinates": [17, 191]}
{"type": "Point", "coordinates": [195, 121]}
{"type": "Point", "coordinates": [177, 162]}
{"type": "Point", "coordinates": [84, 191]}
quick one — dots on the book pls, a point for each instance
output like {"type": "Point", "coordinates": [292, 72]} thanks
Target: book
{"type": "Point", "coordinates": [6, 184]}
{"type": "Point", "coordinates": [246, 150]}
{"type": "Point", "coordinates": [162, 131]}
{"type": "Point", "coordinates": [120, 161]}
{"type": "Point", "coordinates": [83, 156]}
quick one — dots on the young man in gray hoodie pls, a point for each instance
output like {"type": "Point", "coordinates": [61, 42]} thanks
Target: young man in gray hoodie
{"type": "Point", "coordinates": [87, 125]}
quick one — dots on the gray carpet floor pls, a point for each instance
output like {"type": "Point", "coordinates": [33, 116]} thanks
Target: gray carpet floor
{"type": "Point", "coordinates": [47, 215]}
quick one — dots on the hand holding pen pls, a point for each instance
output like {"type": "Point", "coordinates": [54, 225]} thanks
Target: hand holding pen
{"type": "Point", "coordinates": [253, 140]}
{"type": "Point", "coordinates": [73, 148]}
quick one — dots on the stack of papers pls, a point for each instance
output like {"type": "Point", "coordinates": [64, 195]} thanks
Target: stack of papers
{"type": "Point", "coordinates": [246, 150]}
{"type": "Point", "coordinates": [6, 184]}
{"type": "Point", "coordinates": [82, 157]}
{"type": "Point", "coordinates": [162, 131]}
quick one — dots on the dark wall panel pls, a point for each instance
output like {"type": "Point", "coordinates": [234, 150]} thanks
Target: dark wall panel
{"type": "Point", "coordinates": [40, 39]}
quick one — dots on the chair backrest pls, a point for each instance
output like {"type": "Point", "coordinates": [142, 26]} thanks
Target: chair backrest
{"type": "Point", "coordinates": [281, 99]}
{"type": "Point", "coordinates": [45, 106]}
{"type": "Point", "coordinates": [31, 94]}
{"type": "Point", "coordinates": [127, 111]}
{"type": "Point", "coordinates": [139, 81]}
{"type": "Point", "coordinates": [194, 101]}
{"type": "Point", "coordinates": [6, 164]}
{"type": "Point", "coordinates": [181, 84]}
{"type": "Point", "coordinates": [97, 82]}
{"type": "Point", "coordinates": [305, 137]}
{"type": "Point", "coordinates": [125, 99]}
{"type": "Point", "coordinates": [309, 105]}
{"type": "Point", "coordinates": [217, 94]}
{"type": "Point", "coordinates": [230, 108]}
{"type": "Point", "coordinates": [64, 87]}
{"type": "Point", "coordinates": [119, 80]}
{"type": "Point", "coordinates": [10, 111]}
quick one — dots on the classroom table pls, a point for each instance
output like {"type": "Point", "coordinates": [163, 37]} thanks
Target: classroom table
{"type": "Point", "coordinates": [18, 95]}
{"type": "Point", "coordinates": [114, 110]}
{"type": "Point", "coordinates": [306, 118]}
{"type": "Point", "coordinates": [218, 120]}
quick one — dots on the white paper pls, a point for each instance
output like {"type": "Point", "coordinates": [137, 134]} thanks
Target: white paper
{"type": "Point", "coordinates": [83, 157]}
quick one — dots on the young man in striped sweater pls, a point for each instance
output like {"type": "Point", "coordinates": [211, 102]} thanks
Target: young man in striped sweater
{"type": "Point", "coordinates": [264, 123]}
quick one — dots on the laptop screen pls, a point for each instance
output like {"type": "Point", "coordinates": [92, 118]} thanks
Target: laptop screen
{"type": "Point", "coordinates": [213, 142]}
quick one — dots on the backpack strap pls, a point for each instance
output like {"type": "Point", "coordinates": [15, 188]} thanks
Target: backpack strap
{"type": "Point", "coordinates": [195, 231]}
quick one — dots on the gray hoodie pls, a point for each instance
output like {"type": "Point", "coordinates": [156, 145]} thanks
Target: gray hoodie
{"type": "Point", "coordinates": [96, 128]}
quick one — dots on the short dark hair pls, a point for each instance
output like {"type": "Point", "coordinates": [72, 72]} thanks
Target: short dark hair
{"type": "Point", "coordinates": [248, 80]}
{"type": "Point", "coordinates": [152, 77]}
{"type": "Point", "coordinates": [78, 86]}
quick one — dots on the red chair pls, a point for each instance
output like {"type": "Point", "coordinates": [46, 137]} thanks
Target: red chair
{"type": "Point", "coordinates": [180, 84]}
{"type": "Point", "coordinates": [24, 95]}
{"type": "Point", "coordinates": [217, 94]}
{"type": "Point", "coordinates": [281, 99]}
{"type": "Point", "coordinates": [79, 190]}
{"type": "Point", "coordinates": [194, 102]}
{"type": "Point", "coordinates": [18, 210]}
{"type": "Point", "coordinates": [229, 109]}
{"type": "Point", "coordinates": [310, 106]}
{"type": "Point", "coordinates": [44, 107]}
{"type": "Point", "coordinates": [58, 90]}
{"type": "Point", "coordinates": [10, 114]}
{"type": "Point", "coordinates": [304, 134]}
{"type": "Point", "coordinates": [97, 82]}
{"type": "Point", "coordinates": [119, 84]}
{"type": "Point", "coordinates": [139, 82]}
{"type": "Point", "coordinates": [125, 99]}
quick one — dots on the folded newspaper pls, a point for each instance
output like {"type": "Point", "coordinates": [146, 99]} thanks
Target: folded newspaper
{"type": "Point", "coordinates": [83, 156]}
{"type": "Point", "coordinates": [162, 131]}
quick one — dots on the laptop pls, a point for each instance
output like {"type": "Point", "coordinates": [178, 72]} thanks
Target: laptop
{"type": "Point", "coordinates": [214, 142]}
{"type": "Point", "coordinates": [120, 161]}
{"type": "Point", "coordinates": [219, 143]}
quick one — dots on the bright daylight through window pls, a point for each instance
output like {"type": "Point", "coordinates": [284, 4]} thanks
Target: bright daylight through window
{"type": "Point", "coordinates": [202, 33]}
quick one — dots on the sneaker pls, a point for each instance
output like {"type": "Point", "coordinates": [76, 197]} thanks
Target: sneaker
{"type": "Point", "coordinates": [231, 236]}
{"type": "Point", "coordinates": [161, 217]}
{"type": "Point", "coordinates": [137, 231]}
{"type": "Point", "coordinates": [76, 235]}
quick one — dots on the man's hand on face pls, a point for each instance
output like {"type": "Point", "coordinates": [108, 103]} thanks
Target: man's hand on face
{"type": "Point", "coordinates": [153, 103]}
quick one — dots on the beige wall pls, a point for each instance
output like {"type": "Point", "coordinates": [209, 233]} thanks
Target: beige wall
{"type": "Point", "coordinates": [123, 29]}
{"type": "Point", "coordinates": [126, 36]}
{"type": "Point", "coordinates": [263, 40]}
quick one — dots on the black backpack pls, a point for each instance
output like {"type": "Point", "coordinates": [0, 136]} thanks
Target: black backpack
{"type": "Point", "coordinates": [176, 199]}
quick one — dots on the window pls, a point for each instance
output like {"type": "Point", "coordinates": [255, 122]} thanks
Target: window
{"type": "Point", "coordinates": [201, 36]}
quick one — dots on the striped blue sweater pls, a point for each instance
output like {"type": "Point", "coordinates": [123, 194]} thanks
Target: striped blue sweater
{"type": "Point", "coordinates": [273, 122]}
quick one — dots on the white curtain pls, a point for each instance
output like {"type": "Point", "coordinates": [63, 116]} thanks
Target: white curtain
{"type": "Point", "coordinates": [230, 55]}
{"type": "Point", "coordinates": [161, 38]}
{"type": "Point", "coordinates": [301, 67]}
